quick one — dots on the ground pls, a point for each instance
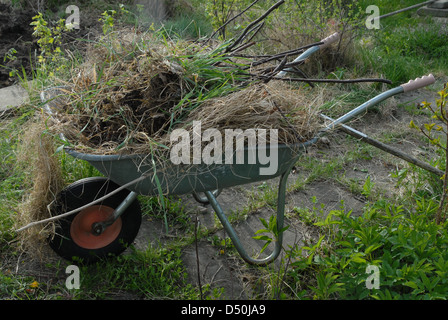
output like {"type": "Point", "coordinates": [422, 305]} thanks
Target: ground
{"type": "Point", "coordinates": [15, 33]}
{"type": "Point", "coordinates": [228, 271]}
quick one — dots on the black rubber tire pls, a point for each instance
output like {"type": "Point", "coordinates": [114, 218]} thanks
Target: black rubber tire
{"type": "Point", "coordinates": [79, 194]}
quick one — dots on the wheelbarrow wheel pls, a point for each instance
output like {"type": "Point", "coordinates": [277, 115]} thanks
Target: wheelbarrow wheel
{"type": "Point", "coordinates": [74, 237]}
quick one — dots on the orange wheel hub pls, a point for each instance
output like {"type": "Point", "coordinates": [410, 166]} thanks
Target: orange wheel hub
{"type": "Point", "coordinates": [81, 227]}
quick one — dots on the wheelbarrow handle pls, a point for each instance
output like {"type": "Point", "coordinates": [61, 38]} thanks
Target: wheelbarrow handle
{"type": "Point", "coordinates": [326, 42]}
{"type": "Point", "coordinates": [418, 83]}
{"type": "Point", "coordinates": [411, 85]}
{"type": "Point", "coordinates": [330, 40]}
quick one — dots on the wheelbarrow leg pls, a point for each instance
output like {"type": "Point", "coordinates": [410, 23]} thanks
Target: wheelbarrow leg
{"type": "Point", "coordinates": [203, 199]}
{"type": "Point", "coordinates": [233, 236]}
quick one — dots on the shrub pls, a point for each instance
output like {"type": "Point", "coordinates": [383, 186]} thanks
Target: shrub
{"type": "Point", "coordinates": [409, 250]}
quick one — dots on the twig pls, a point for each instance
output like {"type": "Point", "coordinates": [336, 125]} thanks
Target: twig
{"type": "Point", "coordinates": [243, 47]}
{"type": "Point", "coordinates": [278, 55]}
{"type": "Point", "coordinates": [262, 77]}
{"type": "Point", "coordinates": [257, 28]}
{"type": "Point", "coordinates": [302, 74]}
{"type": "Point", "coordinates": [249, 27]}
{"type": "Point", "coordinates": [442, 205]}
{"type": "Point", "coordinates": [276, 70]}
{"type": "Point", "coordinates": [83, 207]}
{"type": "Point", "coordinates": [283, 66]}
{"type": "Point", "coordinates": [285, 118]}
{"type": "Point", "coordinates": [405, 9]}
{"type": "Point", "coordinates": [282, 54]}
{"type": "Point", "coordinates": [389, 149]}
{"type": "Point", "coordinates": [196, 224]}
{"type": "Point", "coordinates": [235, 17]}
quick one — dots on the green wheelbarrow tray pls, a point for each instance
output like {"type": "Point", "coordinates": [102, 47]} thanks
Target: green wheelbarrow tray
{"type": "Point", "coordinates": [167, 178]}
{"type": "Point", "coordinates": [154, 178]}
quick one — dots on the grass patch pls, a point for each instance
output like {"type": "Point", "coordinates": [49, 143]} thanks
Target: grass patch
{"type": "Point", "coordinates": [151, 274]}
{"type": "Point", "coordinates": [405, 47]}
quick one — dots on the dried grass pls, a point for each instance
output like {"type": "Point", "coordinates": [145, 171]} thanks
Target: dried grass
{"type": "Point", "coordinates": [37, 154]}
{"type": "Point", "coordinates": [261, 106]}
{"type": "Point", "coordinates": [274, 106]}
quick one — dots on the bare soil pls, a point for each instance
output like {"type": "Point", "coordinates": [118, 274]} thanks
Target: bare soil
{"type": "Point", "coordinates": [15, 33]}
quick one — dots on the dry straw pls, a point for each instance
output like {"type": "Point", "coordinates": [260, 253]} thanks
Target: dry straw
{"type": "Point", "coordinates": [37, 154]}
{"type": "Point", "coordinates": [261, 106]}
{"type": "Point", "coordinates": [121, 95]}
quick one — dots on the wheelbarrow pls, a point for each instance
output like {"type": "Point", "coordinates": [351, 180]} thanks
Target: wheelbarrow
{"type": "Point", "coordinates": [107, 215]}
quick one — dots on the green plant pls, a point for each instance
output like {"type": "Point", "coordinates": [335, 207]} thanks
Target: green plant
{"type": "Point", "coordinates": [271, 228]}
{"type": "Point", "coordinates": [108, 18]}
{"type": "Point", "coordinates": [367, 187]}
{"type": "Point", "coordinates": [433, 132]}
{"type": "Point", "coordinates": [23, 288]}
{"type": "Point", "coordinates": [408, 249]}
{"type": "Point", "coordinates": [221, 11]}
{"type": "Point", "coordinates": [10, 56]}
{"type": "Point", "coordinates": [49, 40]}
{"type": "Point", "coordinates": [326, 286]}
{"type": "Point", "coordinates": [155, 273]}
